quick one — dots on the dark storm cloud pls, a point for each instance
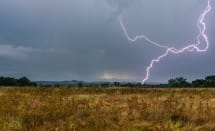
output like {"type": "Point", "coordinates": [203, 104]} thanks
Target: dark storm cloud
{"type": "Point", "coordinates": [74, 39]}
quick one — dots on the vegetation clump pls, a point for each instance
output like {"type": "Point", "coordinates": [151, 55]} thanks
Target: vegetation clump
{"type": "Point", "coordinates": [9, 81]}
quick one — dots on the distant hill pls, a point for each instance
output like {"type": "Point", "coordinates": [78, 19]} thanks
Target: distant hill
{"type": "Point", "coordinates": [83, 83]}
{"type": "Point", "coordinates": [62, 83]}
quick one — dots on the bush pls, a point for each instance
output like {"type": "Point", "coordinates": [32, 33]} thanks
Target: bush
{"type": "Point", "coordinates": [23, 81]}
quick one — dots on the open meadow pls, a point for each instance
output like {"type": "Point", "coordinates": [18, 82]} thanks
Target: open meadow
{"type": "Point", "coordinates": [100, 109]}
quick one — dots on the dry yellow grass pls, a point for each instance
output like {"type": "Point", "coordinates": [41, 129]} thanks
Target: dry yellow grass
{"type": "Point", "coordinates": [106, 109]}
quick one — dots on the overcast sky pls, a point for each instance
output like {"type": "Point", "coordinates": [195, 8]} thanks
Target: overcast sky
{"type": "Point", "coordinates": [82, 39]}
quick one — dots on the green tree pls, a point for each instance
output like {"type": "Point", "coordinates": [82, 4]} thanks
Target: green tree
{"type": "Point", "coordinates": [178, 82]}
{"type": "Point", "coordinates": [24, 81]}
{"type": "Point", "coordinates": [80, 84]}
{"type": "Point", "coordinates": [210, 80]}
{"type": "Point", "coordinates": [198, 83]}
{"type": "Point", "coordinates": [9, 81]}
{"type": "Point", "coordinates": [116, 84]}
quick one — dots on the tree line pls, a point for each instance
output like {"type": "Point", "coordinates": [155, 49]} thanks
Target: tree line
{"type": "Point", "coordinates": [22, 81]}
{"type": "Point", "coordinates": [209, 81]}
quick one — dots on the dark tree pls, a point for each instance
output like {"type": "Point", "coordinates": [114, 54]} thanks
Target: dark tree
{"type": "Point", "coordinates": [105, 84]}
{"type": "Point", "coordinates": [7, 81]}
{"type": "Point", "coordinates": [198, 83]}
{"type": "Point", "coordinates": [24, 81]}
{"type": "Point", "coordinates": [210, 81]}
{"type": "Point", "coordinates": [178, 82]}
{"type": "Point", "coordinates": [80, 84]}
{"type": "Point", "coordinates": [116, 84]}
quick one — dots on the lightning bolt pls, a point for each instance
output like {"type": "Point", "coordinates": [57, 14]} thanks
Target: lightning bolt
{"type": "Point", "coordinates": [191, 48]}
{"type": "Point", "coordinates": [138, 37]}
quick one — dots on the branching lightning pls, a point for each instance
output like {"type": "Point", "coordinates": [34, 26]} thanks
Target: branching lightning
{"type": "Point", "coordinates": [138, 37]}
{"type": "Point", "coordinates": [191, 48]}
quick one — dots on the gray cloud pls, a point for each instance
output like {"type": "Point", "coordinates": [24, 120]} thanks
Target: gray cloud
{"type": "Point", "coordinates": [15, 52]}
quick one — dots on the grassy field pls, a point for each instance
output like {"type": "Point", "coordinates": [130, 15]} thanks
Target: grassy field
{"type": "Point", "coordinates": [59, 109]}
